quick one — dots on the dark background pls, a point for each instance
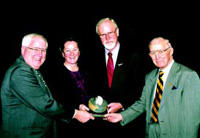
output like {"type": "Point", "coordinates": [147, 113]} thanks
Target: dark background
{"type": "Point", "coordinates": [139, 22]}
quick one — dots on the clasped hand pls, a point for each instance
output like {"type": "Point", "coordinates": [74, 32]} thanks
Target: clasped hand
{"type": "Point", "coordinates": [82, 114]}
{"type": "Point", "coordinates": [111, 116]}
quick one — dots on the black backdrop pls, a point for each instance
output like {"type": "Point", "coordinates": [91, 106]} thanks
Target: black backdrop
{"type": "Point", "coordinates": [138, 22]}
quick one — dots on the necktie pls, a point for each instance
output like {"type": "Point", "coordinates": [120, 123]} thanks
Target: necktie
{"type": "Point", "coordinates": [110, 68]}
{"type": "Point", "coordinates": [158, 96]}
{"type": "Point", "coordinates": [41, 78]}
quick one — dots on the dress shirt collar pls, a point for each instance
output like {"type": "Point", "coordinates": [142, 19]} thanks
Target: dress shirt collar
{"type": "Point", "coordinates": [114, 53]}
{"type": "Point", "coordinates": [166, 71]}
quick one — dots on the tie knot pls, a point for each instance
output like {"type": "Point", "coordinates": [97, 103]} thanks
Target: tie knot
{"type": "Point", "coordinates": [161, 73]}
{"type": "Point", "coordinates": [110, 54]}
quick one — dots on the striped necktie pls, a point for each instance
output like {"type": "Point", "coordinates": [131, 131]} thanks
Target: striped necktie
{"type": "Point", "coordinates": [158, 96]}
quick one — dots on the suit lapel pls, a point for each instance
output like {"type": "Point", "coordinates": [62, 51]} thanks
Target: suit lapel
{"type": "Point", "coordinates": [120, 67]}
{"type": "Point", "coordinates": [42, 82]}
{"type": "Point", "coordinates": [151, 84]}
{"type": "Point", "coordinates": [117, 72]}
{"type": "Point", "coordinates": [170, 83]}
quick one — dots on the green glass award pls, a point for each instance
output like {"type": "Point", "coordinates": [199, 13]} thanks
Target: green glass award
{"type": "Point", "coordinates": [98, 105]}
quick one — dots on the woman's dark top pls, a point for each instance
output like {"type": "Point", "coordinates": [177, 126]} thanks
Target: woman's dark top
{"type": "Point", "coordinates": [80, 83]}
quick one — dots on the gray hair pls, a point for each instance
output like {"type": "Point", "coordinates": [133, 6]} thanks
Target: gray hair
{"type": "Point", "coordinates": [158, 40]}
{"type": "Point", "coordinates": [103, 20]}
{"type": "Point", "coordinates": [28, 38]}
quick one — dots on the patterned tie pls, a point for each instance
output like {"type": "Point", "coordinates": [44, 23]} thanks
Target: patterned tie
{"type": "Point", "coordinates": [156, 103]}
{"type": "Point", "coordinates": [41, 78]}
{"type": "Point", "coordinates": [110, 69]}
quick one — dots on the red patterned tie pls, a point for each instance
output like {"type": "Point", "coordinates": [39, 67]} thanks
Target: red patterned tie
{"type": "Point", "coordinates": [110, 69]}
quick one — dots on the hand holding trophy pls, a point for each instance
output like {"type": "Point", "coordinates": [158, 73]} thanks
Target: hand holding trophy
{"type": "Point", "coordinates": [97, 105]}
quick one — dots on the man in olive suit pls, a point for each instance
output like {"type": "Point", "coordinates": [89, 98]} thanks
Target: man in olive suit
{"type": "Point", "coordinates": [28, 108]}
{"type": "Point", "coordinates": [176, 112]}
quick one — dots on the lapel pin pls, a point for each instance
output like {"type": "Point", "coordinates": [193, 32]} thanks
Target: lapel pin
{"type": "Point", "coordinates": [170, 84]}
{"type": "Point", "coordinates": [120, 64]}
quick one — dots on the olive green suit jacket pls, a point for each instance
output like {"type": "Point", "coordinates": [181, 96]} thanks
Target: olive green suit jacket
{"type": "Point", "coordinates": [179, 112]}
{"type": "Point", "coordinates": [28, 108]}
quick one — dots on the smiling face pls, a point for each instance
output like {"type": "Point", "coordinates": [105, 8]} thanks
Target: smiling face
{"type": "Point", "coordinates": [71, 52]}
{"type": "Point", "coordinates": [35, 54]}
{"type": "Point", "coordinates": [161, 52]}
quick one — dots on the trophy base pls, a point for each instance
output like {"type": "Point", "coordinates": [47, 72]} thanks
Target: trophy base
{"type": "Point", "coordinates": [98, 115]}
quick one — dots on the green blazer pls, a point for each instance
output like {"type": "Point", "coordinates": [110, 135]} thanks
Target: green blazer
{"type": "Point", "coordinates": [179, 113]}
{"type": "Point", "coordinates": [28, 108]}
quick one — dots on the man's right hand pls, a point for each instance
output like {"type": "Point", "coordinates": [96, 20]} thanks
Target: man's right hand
{"type": "Point", "coordinates": [83, 116]}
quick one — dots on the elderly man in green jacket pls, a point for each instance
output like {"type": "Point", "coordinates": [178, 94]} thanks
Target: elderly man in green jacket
{"type": "Point", "coordinates": [28, 107]}
{"type": "Point", "coordinates": [176, 112]}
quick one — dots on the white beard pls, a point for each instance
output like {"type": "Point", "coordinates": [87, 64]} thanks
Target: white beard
{"type": "Point", "coordinates": [109, 46]}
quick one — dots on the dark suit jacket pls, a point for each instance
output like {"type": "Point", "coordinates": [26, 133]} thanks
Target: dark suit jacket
{"type": "Point", "coordinates": [126, 86]}
{"type": "Point", "coordinates": [28, 108]}
{"type": "Point", "coordinates": [179, 112]}
{"type": "Point", "coordinates": [127, 78]}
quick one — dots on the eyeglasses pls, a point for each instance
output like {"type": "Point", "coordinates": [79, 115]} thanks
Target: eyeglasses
{"type": "Point", "coordinates": [160, 52]}
{"type": "Point", "coordinates": [110, 34]}
{"type": "Point", "coordinates": [36, 50]}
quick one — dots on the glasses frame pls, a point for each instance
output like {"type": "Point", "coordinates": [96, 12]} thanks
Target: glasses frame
{"type": "Point", "coordinates": [110, 34]}
{"type": "Point", "coordinates": [36, 50]}
{"type": "Point", "coordinates": [160, 52]}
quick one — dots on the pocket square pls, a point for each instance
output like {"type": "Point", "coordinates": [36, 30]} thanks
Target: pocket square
{"type": "Point", "coordinates": [174, 88]}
